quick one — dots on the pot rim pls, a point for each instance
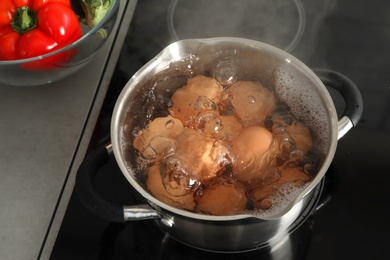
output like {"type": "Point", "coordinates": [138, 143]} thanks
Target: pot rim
{"type": "Point", "coordinates": [159, 62]}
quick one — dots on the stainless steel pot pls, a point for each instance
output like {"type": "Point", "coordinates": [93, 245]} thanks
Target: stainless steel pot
{"type": "Point", "coordinates": [296, 85]}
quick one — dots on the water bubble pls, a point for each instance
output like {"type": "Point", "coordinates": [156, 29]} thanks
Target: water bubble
{"type": "Point", "coordinates": [158, 148]}
{"type": "Point", "coordinates": [169, 124]}
{"type": "Point", "coordinates": [273, 176]}
{"type": "Point", "coordinates": [199, 192]}
{"type": "Point", "coordinates": [208, 123]}
{"type": "Point", "coordinates": [178, 175]}
{"type": "Point", "coordinates": [265, 204]}
{"type": "Point", "coordinates": [286, 146]}
{"type": "Point", "coordinates": [278, 128]}
{"type": "Point", "coordinates": [308, 168]}
{"type": "Point", "coordinates": [189, 120]}
{"type": "Point", "coordinates": [136, 131]}
{"type": "Point", "coordinates": [298, 155]}
{"type": "Point", "coordinates": [226, 107]}
{"type": "Point", "coordinates": [298, 183]}
{"type": "Point", "coordinates": [149, 153]}
{"type": "Point", "coordinates": [251, 99]}
{"type": "Point", "coordinates": [203, 103]}
{"type": "Point", "coordinates": [220, 156]}
{"type": "Point", "coordinates": [225, 72]}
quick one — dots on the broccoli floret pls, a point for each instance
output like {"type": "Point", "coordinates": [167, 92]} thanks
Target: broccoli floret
{"type": "Point", "coordinates": [95, 10]}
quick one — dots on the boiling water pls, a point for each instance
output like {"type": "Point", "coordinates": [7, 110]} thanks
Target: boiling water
{"type": "Point", "coordinates": [200, 154]}
{"type": "Point", "coordinates": [302, 103]}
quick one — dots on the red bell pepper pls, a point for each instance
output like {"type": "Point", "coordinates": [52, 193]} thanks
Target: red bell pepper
{"type": "Point", "coordinates": [29, 28]}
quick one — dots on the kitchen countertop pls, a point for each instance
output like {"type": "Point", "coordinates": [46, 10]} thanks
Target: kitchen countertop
{"type": "Point", "coordinates": [44, 135]}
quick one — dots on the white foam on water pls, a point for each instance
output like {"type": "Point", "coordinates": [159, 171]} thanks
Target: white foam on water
{"type": "Point", "coordinates": [305, 103]}
{"type": "Point", "coordinates": [282, 197]}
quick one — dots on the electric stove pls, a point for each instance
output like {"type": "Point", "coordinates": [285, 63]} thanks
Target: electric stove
{"type": "Point", "coordinates": [350, 218]}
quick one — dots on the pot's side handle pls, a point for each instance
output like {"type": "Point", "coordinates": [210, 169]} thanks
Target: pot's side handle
{"type": "Point", "coordinates": [351, 94]}
{"type": "Point", "coordinates": [97, 204]}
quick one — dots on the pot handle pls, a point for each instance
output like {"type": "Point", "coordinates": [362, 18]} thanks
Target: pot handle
{"type": "Point", "coordinates": [97, 204]}
{"type": "Point", "coordinates": [351, 94]}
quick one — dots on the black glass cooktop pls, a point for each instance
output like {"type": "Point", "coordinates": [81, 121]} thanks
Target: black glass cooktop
{"type": "Point", "coordinates": [348, 36]}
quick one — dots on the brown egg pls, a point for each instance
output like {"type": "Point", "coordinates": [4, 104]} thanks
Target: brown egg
{"type": "Point", "coordinates": [262, 196]}
{"type": "Point", "coordinates": [192, 144]}
{"type": "Point", "coordinates": [248, 150]}
{"type": "Point", "coordinates": [157, 140]}
{"type": "Point", "coordinates": [231, 128]}
{"type": "Point", "coordinates": [178, 175]}
{"type": "Point", "coordinates": [222, 199]}
{"type": "Point", "coordinates": [205, 154]}
{"type": "Point", "coordinates": [201, 93]}
{"type": "Point", "coordinates": [301, 136]}
{"type": "Point", "coordinates": [207, 123]}
{"type": "Point", "coordinates": [291, 172]}
{"type": "Point", "coordinates": [252, 102]}
{"type": "Point", "coordinates": [211, 123]}
{"type": "Point", "coordinates": [287, 173]}
{"type": "Point", "coordinates": [156, 187]}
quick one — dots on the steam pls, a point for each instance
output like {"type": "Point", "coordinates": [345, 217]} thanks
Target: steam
{"type": "Point", "coordinates": [293, 25]}
{"type": "Point", "coordinates": [280, 23]}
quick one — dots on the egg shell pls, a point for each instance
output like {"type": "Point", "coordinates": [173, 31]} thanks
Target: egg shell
{"type": "Point", "coordinates": [287, 174]}
{"type": "Point", "coordinates": [199, 94]}
{"type": "Point", "coordinates": [168, 127]}
{"type": "Point", "coordinates": [199, 151]}
{"type": "Point", "coordinates": [248, 150]}
{"type": "Point", "coordinates": [301, 136]}
{"type": "Point", "coordinates": [231, 128]}
{"type": "Point", "coordinates": [215, 125]}
{"type": "Point", "coordinates": [252, 102]}
{"type": "Point", "coordinates": [155, 185]}
{"type": "Point", "coordinates": [222, 199]}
